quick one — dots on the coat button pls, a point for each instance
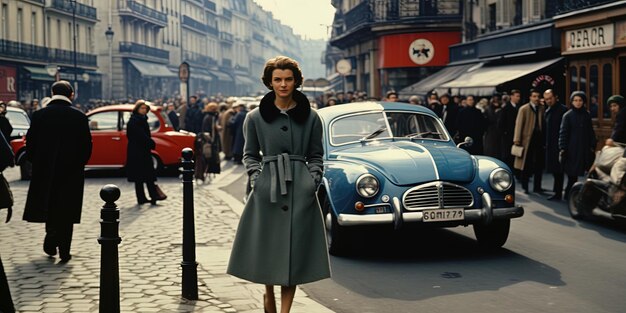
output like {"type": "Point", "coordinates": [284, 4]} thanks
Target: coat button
{"type": "Point", "coordinates": [284, 128]}
{"type": "Point", "coordinates": [284, 208]}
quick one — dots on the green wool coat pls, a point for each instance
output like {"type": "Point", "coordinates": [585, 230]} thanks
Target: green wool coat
{"type": "Point", "coordinates": [281, 238]}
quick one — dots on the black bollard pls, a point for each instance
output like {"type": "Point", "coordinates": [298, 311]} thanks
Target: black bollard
{"type": "Point", "coordinates": [109, 239]}
{"type": "Point", "coordinates": [189, 264]}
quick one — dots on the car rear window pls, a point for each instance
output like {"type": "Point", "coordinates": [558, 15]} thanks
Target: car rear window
{"type": "Point", "coordinates": [18, 119]}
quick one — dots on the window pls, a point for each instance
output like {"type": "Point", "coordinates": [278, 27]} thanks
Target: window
{"type": "Point", "coordinates": [5, 21]}
{"type": "Point", "coordinates": [105, 121]}
{"type": "Point", "coordinates": [33, 28]}
{"type": "Point", "coordinates": [607, 87]}
{"type": "Point", "coordinates": [69, 35]}
{"type": "Point", "coordinates": [583, 80]}
{"type": "Point", "coordinates": [573, 78]}
{"type": "Point", "coordinates": [593, 91]}
{"type": "Point", "coordinates": [59, 35]}
{"type": "Point", "coordinates": [153, 120]}
{"type": "Point", "coordinates": [19, 25]}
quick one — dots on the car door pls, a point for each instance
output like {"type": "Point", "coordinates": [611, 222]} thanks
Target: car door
{"type": "Point", "coordinates": [109, 143]}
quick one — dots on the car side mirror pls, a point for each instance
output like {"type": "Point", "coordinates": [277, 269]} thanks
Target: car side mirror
{"type": "Point", "coordinates": [468, 142]}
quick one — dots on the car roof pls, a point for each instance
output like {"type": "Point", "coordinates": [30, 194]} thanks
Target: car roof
{"type": "Point", "coordinates": [330, 113]}
{"type": "Point", "coordinates": [12, 108]}
{"type": "Point", "coordinates": [122, 107]}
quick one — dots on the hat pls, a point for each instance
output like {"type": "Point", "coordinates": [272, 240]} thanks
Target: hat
{"type": "Point", "coordinates": [580, 94]}
{"type": "Point", "coordinates": [616, 99]}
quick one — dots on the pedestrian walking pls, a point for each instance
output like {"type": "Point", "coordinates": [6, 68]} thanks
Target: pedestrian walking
{"type": "Point", "coordinates": [236, 126]}
{"type": "Point", "coordinates": [281, 238]}
{"type": "Point", "coordinates": [6, 202]}
{"type": "Point", "coordinates": [449, 112]}
{"type": "Point", "coordinates": [529, 134]}
{"type": "Point", "coordinates": [226, 132]}
{"type": "Point", "coordinates": [211, 141]}
{"type": "Point", "coordinates": [577, 140]}
{"type": "Point", "coordinates": [471, 123]}
{"type": "Point", "coordinates": [506, 127]}
{"type": "Point", "coordinates": [173, 116]}
{"type": "Point", "coordinates": [193, 117]}
{"type": "Point", "coordinates": [492, 134]}
{"type": "Point", "coordinates": [554, 116]}
{"type": "Point", "coordinates": [5, 124]}
{"type": "Point", "coordinates": [58, 145]}
{"type": "Point", "coordinates": [139, 166]}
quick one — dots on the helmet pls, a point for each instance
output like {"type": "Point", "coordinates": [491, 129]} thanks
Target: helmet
{"type": "Point", "coordinates": [616, 99]}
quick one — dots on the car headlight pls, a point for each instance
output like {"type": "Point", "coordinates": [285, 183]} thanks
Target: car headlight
{"type": "Point", "coordinates": [367, 185]}
{"type": "Point", "coordinates": [500, 180]}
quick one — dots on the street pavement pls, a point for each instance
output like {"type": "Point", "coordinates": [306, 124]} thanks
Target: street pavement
{"type": "Point", "coordinates": [149, 255]}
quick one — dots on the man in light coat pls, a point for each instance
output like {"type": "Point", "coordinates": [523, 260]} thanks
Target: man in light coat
{"type": "Point", "coordinates": [529, 133]}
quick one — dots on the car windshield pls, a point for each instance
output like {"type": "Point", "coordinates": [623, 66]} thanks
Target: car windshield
{"type": "Point", "coordinates": [412, 125]}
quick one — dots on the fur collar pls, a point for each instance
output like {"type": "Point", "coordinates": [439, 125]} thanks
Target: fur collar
{"type": "Point", "coordinates": [270, 112]}
{"type": "Point", "coordinates": [60, 98]}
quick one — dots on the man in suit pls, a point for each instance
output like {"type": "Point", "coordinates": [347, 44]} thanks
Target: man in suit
{"type": "Point", "coordinates": [58, 144]}
{"type": "Point", "coordinates": [554, 115]}
{"type": "Point", "coordinates": [530, 134]}
{"type": "Point", "coordinates": [506, 126]}
{"type": "Point", "coordinates": [449, 112]}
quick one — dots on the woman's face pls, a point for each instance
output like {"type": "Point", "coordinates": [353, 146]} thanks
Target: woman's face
{"type": "Point", "coordinates": [577, 102]}
{"type": "Point", "coordinates": [283, 82]}
{"type": "Point", "coordinates": [143, 110]}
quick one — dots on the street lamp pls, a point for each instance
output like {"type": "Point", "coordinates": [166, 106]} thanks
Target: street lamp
{"type": "Point", "coordinates": [109, 35]}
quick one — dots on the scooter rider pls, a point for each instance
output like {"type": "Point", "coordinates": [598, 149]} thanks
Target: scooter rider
{"type": "Point", "coordinates": [617, 103]}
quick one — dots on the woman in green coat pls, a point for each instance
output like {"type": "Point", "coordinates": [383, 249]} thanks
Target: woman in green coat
{"type": "Point", "coordinates": [281, 238]}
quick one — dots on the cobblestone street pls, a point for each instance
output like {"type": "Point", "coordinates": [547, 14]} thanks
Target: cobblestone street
{"type": "Point", "coordinates": [149, 255]}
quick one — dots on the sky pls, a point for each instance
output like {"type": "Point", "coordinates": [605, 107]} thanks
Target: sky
{"type": "Point", "coordinates": [304, 16]}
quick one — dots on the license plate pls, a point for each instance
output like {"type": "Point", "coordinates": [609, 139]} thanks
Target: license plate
{"type": "Point", "coordinates": [441, 215]}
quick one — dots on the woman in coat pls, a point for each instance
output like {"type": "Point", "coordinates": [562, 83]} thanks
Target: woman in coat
{"type": "Point", "coordinates": [281, 238]}
{"type": "Point", "coordinates": [577, 140]}
{"type": "Point", "coordinates": [139, 158]}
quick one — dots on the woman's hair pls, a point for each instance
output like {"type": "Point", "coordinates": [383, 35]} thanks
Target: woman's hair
{"type": "Point", "coordinates": [283, 63]}
{"type": "Point", "coordinates": [138, 105]}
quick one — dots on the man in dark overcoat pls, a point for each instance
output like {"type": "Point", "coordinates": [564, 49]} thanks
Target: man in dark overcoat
{"type": "Point", "coordinates": [449, 112]}
{"type": "Point", "coordinates": [236, 125]}
{"type": "Point", "coordinates": [506, 126]}
{"type": "Point", "coordinates": [471, 123]}
{"type": "Point", "coordinates": [58, 144]}
{"type": "Point", "coordinates": [554, 115]}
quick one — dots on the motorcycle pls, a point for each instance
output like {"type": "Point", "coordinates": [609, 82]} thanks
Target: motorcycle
{"type": "Point", "coordinates": [603, 192]}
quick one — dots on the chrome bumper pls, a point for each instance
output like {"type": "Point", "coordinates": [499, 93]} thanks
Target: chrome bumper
{"type": "Point", "coordinates": [484, 215]}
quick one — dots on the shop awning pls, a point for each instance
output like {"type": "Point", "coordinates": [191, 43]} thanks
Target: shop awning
{"type": "Point", "coordinates": [428, 84]}
{"type": "Point", "coordinates": [149, 69]}
{"type": "Point", "coordinates": [246, 80]}
{"type": "Point", "coordinates": [39, 73]}
{"type": "Point", "coordinates": [483, 81]}
{"type": "Point", "coordinates": [221, 76]}
{"type": "Point", "coordinates": [201, 74]}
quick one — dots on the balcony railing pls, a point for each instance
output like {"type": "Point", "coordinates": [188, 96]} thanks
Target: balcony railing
{"type": "Point", "coordinates": [200, 59]}
{"type": "Point", "coordinates": [81, 9]}
{"type": "Point", "coordinates": [258, 37]}
{"type": "Point", "coordinates": [212, 30]}
{"type": "Point", "coordinates": [572, 5]}
{"type": "Point", "coordinates": [210, 5]}
{"type": "Point", "coordinates": [135, 48]}
{"type": "Point", "coordinates": [226, 37]}
{"type": "Point", "coordinates": [190, 22]}
{"type": "Point", "coordinates": [227, 13]}
{"type": "Point", "coordinates": [144, 10]}
{"type": "Point", "coordinates": [16, 50]}
{"type": "Point", "coordinates": [39, 1]}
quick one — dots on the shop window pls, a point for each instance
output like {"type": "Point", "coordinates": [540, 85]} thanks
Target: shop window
{"type": "Point", "coordinates": [593, 91]}
{"type": "Point", "coordinates": [583, 79]}
{"type": "Point", "coordinates": [607, 87]}
{"type": "Point", "coordinates": [573, 78]}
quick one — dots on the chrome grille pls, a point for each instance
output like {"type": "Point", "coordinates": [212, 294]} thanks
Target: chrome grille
{"type": "Point", "coordinates": [437, 195]}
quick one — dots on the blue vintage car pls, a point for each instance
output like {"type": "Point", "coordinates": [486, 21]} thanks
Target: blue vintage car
{"type": "Point", "coordinates": [395, 164]}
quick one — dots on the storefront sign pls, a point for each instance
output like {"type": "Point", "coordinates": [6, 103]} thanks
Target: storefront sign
{"type": "Point", "coordinates": [543, 79]}
{"type": "Point", "coordinates": [592, 38]}
{"type": "Point", "coordinates": [416, 49]}
{"type": "Point", "coordinates": [8, 83]}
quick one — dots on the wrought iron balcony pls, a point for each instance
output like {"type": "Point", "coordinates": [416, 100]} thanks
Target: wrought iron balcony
{"type": "Point", "coordinates": [195, 25]}
{"type": "Point", "coordinates": [143, 12]}
{"type": "Point", "coordinates": [67, 6]}
{"type": "Point", "coordinates": [226, 37]}
{"type": "Point", "coordinates": [139, 49]}
{"type": "Point", "coordinates": [17, 50]}
{"type": "Point", "coordinates": [228, 14]}
{"type": "Point", "coordinates": [200, 59]}
{"type": "Point", "coordinates": [565, 6]}
{"type": "Point", "coordinates": [212, 30]}
{"type": "Point", "coordinates": [258, 37]}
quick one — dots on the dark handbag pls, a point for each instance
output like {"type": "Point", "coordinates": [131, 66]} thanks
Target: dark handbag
{"type": "Point", "coordinates": [160, 194]}
{"type": "Point", "coordinates": [6, 197]}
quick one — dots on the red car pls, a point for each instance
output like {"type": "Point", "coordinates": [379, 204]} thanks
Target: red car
{"type": "Point", "coordinates": [108, 134]}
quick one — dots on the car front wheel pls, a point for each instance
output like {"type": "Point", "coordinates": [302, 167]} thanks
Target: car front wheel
{"type": "Point", "coordinates": [337, 235]}
{"type": "Point", "coordinates": [493, 235]}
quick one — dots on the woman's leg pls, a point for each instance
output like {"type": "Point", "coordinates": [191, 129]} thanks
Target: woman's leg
{"type": "Point", "coordinates": [286, 298]}
{"type": "Point", "coordinates": [269, 300]}
{"type": "Point", "coordinates": [141, 195]}
{"type": "Point", "coordinates": [570, 182]}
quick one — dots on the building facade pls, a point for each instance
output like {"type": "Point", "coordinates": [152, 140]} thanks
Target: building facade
{"type": "Point", "coordinates": [392, 44]}
{"type": "Point", "coordinates": [44, 40]}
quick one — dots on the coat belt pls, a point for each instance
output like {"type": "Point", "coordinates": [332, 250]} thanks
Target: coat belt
{"type": "Point", "coordinates": [281, 164]}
